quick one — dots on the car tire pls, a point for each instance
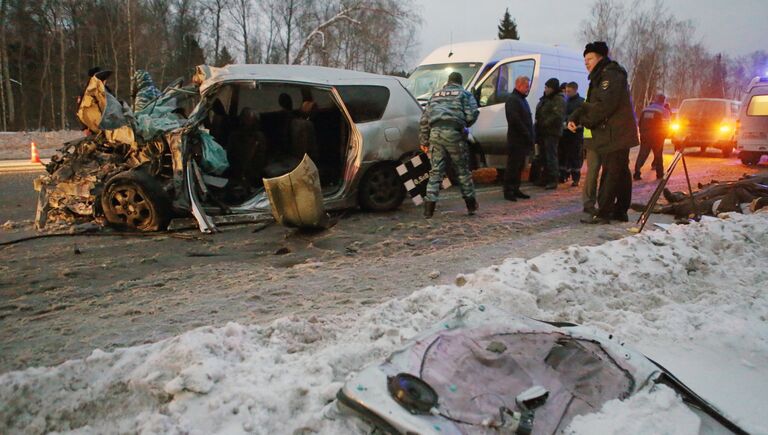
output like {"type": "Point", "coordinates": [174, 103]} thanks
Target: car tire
{"type": "Point", "coordinates": [727, 151]}
{"type": "Point", "coordinates": [381, 188]}
{"type": "Point", "coordinates": [135, 200]}
{"type": "Point", "coordinates": [749, 158]}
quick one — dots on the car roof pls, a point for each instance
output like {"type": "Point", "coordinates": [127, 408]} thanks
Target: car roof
{"type": "Point", "coordinates": [494, 50]}
{"type": "Point", "coordinates": [208, 75]}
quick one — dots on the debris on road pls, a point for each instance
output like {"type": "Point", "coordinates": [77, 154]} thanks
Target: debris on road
{"type": "Point", "coordinates": [748, 194]}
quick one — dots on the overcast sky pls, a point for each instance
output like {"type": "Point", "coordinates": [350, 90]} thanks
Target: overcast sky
{"type": "Point", "coordinates": [735, 27]}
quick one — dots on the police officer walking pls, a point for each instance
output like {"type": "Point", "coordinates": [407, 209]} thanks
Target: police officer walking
{"type": "Point", "coordinates": [443, 128]}
{"type": "Point", "coordinates": [654, 125]}
{"type": "Point", "coordinates": [608, 112]}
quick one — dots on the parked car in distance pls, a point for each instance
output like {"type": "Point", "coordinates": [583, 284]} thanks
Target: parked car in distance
{"type": "Point", "coordinates": [705, 123]}
{"type": "Point", "coordinates": [489, 70]}
{"type": "Point", "coordinates": [753, 122]}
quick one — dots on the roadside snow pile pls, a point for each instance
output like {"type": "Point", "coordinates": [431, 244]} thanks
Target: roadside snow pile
{"type": "Point", "coordinates": [700, 287]}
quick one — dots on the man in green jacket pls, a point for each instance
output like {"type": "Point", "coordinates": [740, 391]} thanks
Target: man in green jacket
{"type": "Point", "coordinates": [608, 113]}
{"type": "Point", "coordinates": [550, 114]}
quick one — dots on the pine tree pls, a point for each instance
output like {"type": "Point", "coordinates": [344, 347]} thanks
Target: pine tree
{"type": "Point", "coordinates": [225, 57]}
{"type": "Point", "coordinates": [508, 27]}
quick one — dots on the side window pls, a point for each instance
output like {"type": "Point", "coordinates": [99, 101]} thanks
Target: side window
{"type": "Point", "coordinates": [758, 106]}
{"type": "Point", "coordinates": [365, 103]}
{"type": "Point", "coordinates": [499, 85]}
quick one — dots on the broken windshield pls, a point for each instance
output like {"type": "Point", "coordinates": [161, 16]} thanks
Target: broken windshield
{"type": "Point", "coordinates": [428, 79]}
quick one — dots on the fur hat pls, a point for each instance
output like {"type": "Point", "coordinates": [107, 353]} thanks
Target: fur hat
{"type": "Point", "coordinates": [599, 47]}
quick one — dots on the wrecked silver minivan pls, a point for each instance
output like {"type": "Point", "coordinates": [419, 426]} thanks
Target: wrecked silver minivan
{"type": "Point", "coordinates": [251, 123]}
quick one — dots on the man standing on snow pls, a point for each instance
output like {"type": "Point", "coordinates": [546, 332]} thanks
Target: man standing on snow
{"type": "Point", "coordinates": [571, 142]}
{"type": "Point", "coordinates": [443, 126]}
{"type": "Point", "coordinates": [519, 138]}
{"type": "Point", "coordinates": [608, 113]}
{"type": "Point", "coordinates": [550, 113]}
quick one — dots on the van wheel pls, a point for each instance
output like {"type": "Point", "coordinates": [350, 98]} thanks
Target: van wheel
{"type": "Point", "coordinates": [381, 188]}
{"type": "Point", "coordinates": [727, 151]}
{"type": "Point", "coordinates": [750, 159]}
{"type": "Point", "coordinates": [135, 200]}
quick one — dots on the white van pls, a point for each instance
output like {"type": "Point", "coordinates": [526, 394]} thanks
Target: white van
{"type": "Point", "coordinates": [489, 69]}
{"type": "Point", "coordinates": [753, 122]}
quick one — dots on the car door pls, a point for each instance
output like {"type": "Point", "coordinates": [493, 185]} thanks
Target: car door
{"type": "Point", "coordinates": [492, 92]}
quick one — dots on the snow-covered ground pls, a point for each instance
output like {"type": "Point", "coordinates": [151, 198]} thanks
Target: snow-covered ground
{"type": "Point", "coordinates": [693, 297]}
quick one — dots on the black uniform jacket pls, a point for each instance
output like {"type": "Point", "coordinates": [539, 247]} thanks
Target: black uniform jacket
{"type": "Point", "coordinates": [519, 122]}
{"type": "Point", "coordinates": [608, 109]}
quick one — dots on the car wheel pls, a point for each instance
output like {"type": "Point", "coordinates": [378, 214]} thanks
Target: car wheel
{"type": "Point", "coordinates": [381, 188]}
{"type": "Point", "coordinates": [135, 200]}
{"type": "Point", "coordinates": [727, 151]}
{"type": "Point", "coordinates": [750, 159]}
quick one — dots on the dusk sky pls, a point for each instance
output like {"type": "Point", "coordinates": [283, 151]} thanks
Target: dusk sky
{"type": "Point", "coordinates": [735, 27]}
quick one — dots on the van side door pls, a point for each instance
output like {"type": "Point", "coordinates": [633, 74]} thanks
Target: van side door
{"type": "Point", "coordinates": [492, 91]}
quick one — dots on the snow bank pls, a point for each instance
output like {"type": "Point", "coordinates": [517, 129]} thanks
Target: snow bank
{"type": "Point", "coordinates": [699, 287]}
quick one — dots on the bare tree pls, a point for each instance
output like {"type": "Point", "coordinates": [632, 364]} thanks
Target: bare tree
{"type": "Point", "coordinates": [605, 23]}
{"type": "Point", "coordinates": [216, 9]}
{"type": "Point", "coordinates": [6, 92]}
{"type": "Point", "coordinates": [242, 15]}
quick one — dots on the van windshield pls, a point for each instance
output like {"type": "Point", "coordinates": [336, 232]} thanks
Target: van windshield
{"type": "Point", "coordinates": [702, 109]}
{"type": "Point", "coordinates": [428, 79]}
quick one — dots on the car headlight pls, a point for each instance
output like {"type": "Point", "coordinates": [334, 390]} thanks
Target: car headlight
{"type": "Point", "coordinates": [675, 127]}
{"type": "Point", "coordinates": [725, 128]}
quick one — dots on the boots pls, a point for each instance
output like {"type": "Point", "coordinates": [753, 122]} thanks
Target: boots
{"type": "Point", "coordinates": [471, 205]}
{"type": "Point", "coordinates": [429, 209]}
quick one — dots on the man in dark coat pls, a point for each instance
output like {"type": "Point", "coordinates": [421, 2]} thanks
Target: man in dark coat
{"type": "Point", "coordinates": [608, 113]}
{"type": "Point", "coordinates": [550, 114]}
{"type": "Point", "coordinates": [571, 142]}
{"type": "Point", "coordinates": [519, 137]}
{"type": "Point", "coordinates": [654, 125]}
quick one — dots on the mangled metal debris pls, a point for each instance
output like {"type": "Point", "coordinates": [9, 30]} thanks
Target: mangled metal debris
{"type": "Point", "coordinates": [296, 198]}
{"type": "Point", "coordinates": [233, 143]}
{"type": "Point", "coordinates": [750, 193]}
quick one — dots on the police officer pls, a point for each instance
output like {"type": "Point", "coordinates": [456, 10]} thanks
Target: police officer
{"type": "Point", "coordinates": [608, 112]}
{"type": "Point", "coordinates": [443, 128]}
{"type": "Point", "coordinates": [654, 125]}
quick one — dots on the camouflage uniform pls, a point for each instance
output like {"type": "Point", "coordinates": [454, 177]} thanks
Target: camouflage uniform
{"type": "Point", "coordinates": [448, 113]}
{"type": "Point", "coordinates": [146, 91]}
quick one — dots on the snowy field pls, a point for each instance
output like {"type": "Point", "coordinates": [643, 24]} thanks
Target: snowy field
{"type": "Point", "coordinates": [693, 297]}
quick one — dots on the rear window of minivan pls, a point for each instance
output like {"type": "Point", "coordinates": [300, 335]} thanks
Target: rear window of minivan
{"type": "Point", "coordinates": [696, 109]}
{"type": "Point", "coordinates": [365, 103]}
{"type": "Point", "coordinates": [758, 106]}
